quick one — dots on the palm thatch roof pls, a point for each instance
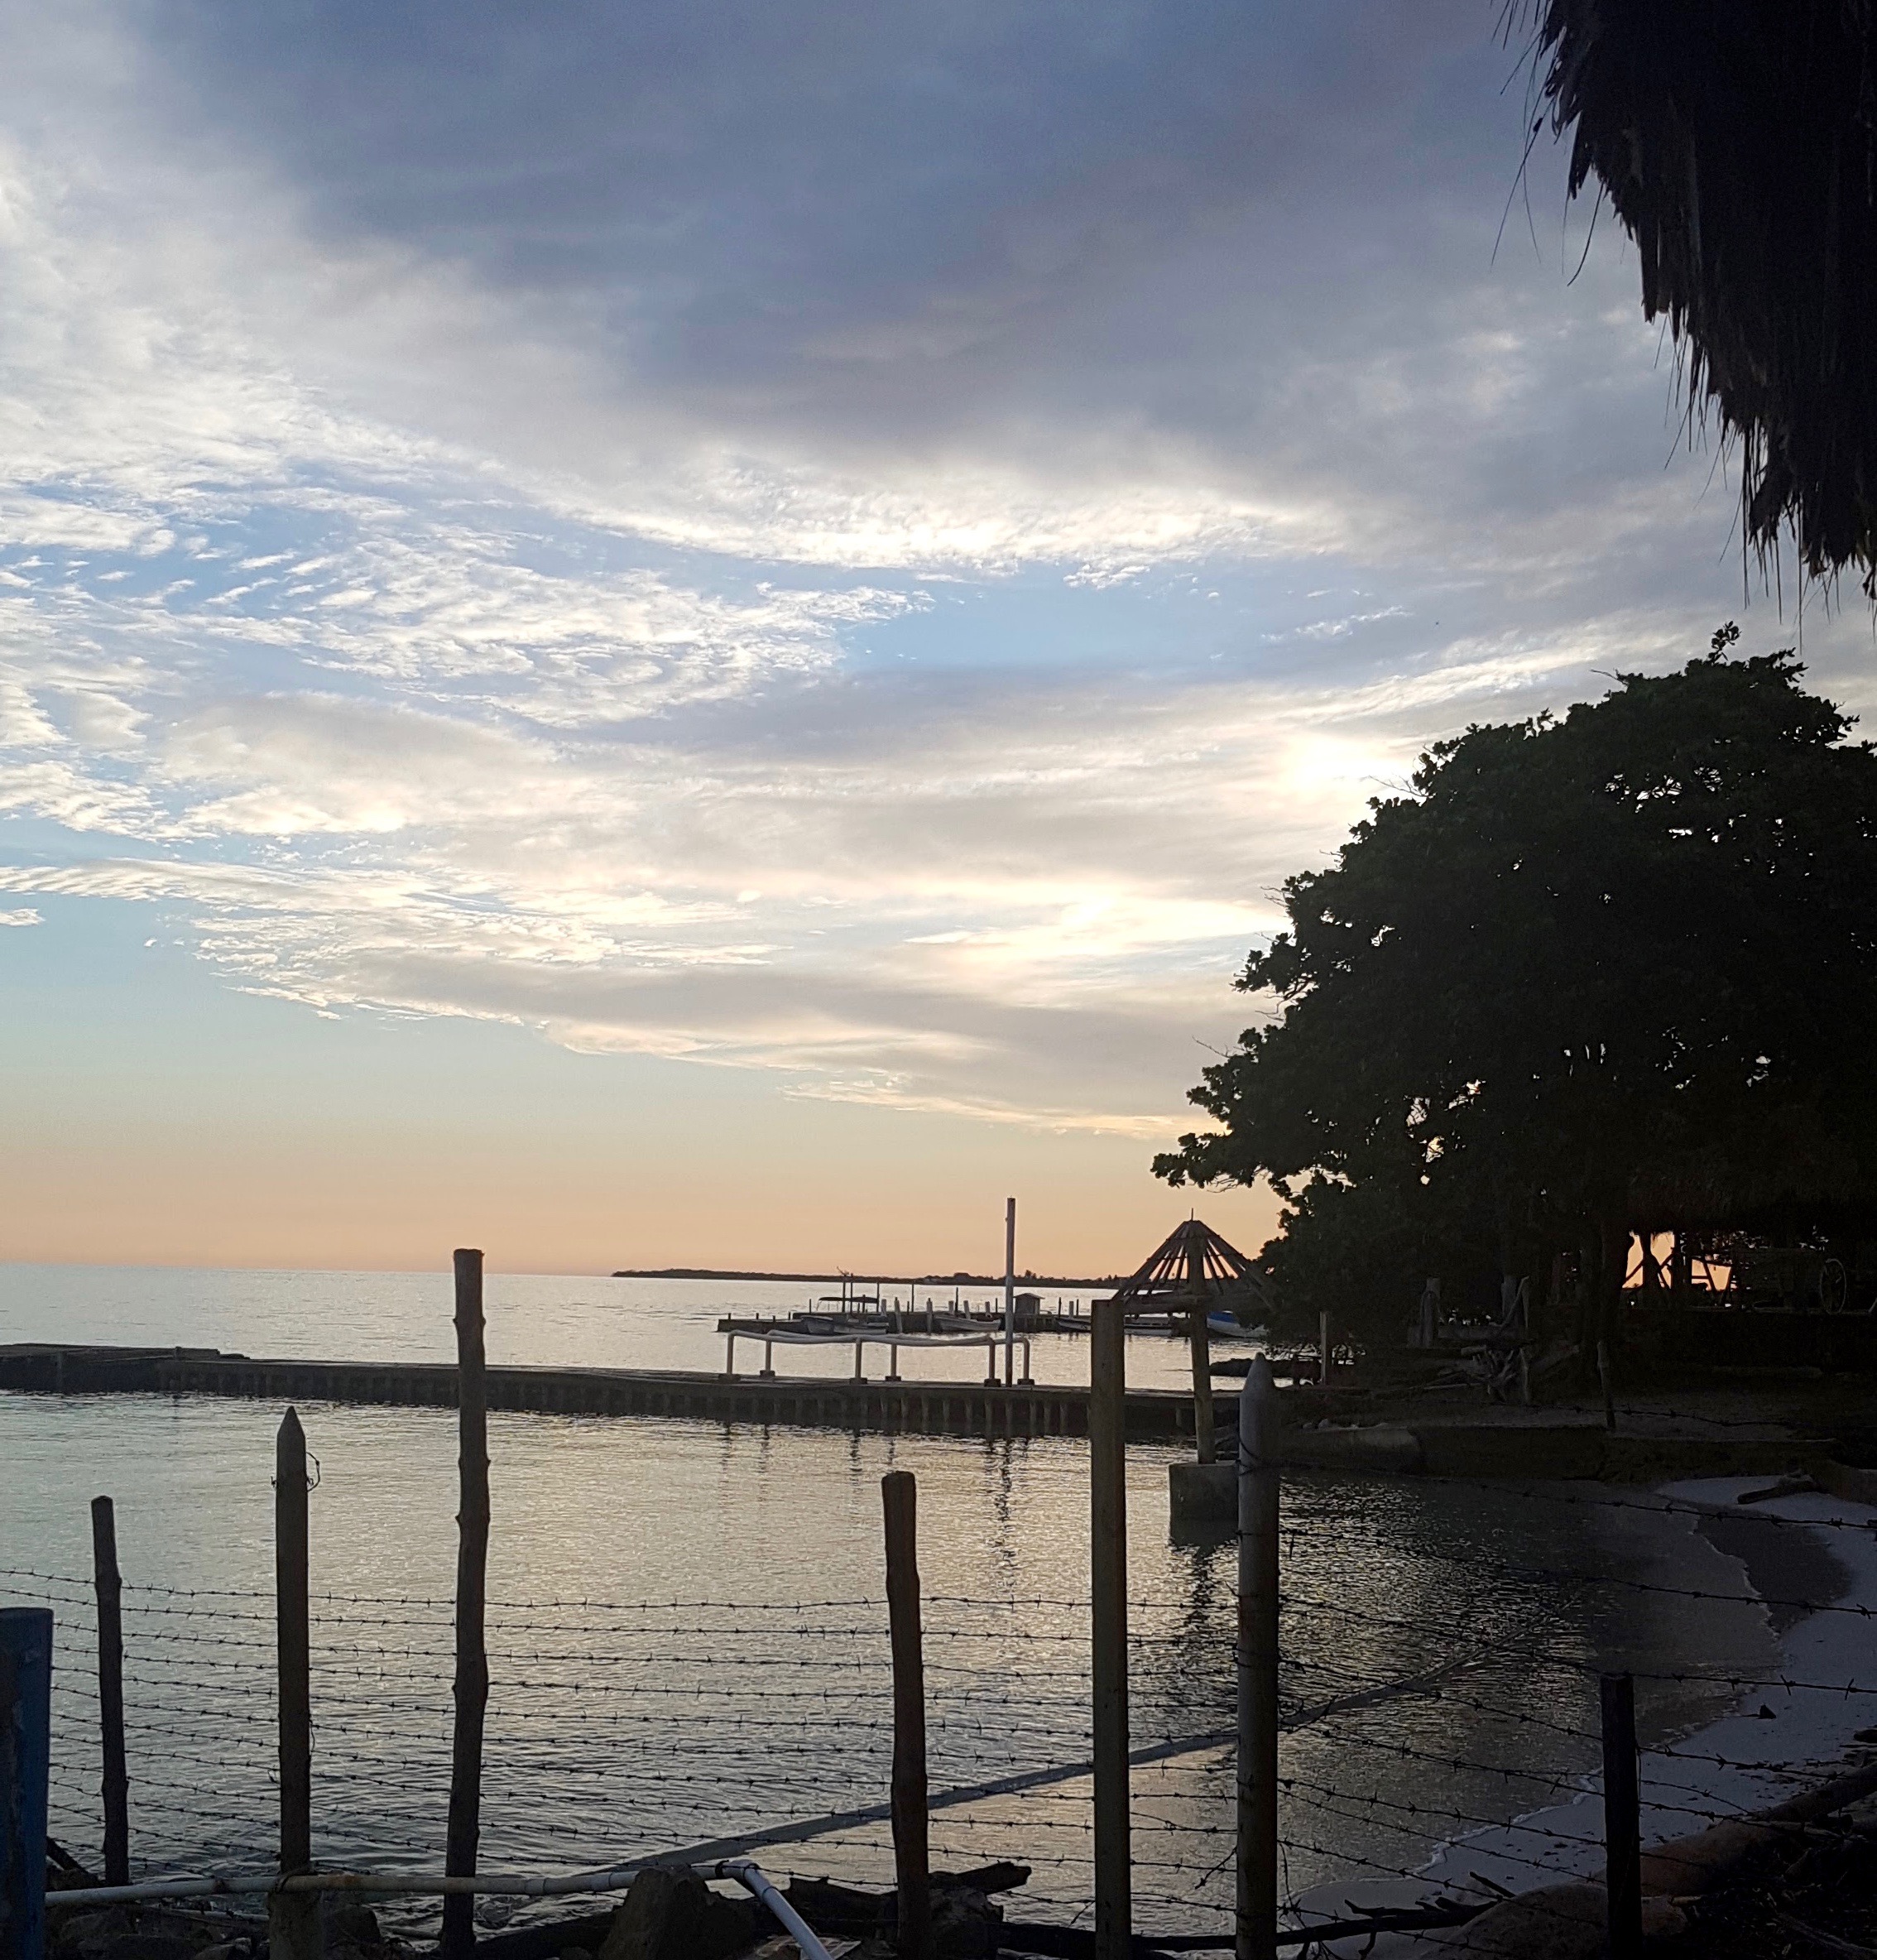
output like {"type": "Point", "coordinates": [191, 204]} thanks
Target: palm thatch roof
{"type": "Point", "coordinates": [1737, 141]}
{"type": "Point", "coordinates": [1194, 1270]}
{"type": "Point", "coordinates": [1796, 1168]}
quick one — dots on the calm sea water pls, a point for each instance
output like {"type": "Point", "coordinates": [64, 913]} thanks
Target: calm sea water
{"type": "Point", "coordinates": [686, 1636]}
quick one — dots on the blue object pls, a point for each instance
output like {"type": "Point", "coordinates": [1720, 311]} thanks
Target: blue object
{"type": "Point", "coordinates": [26, 1755]}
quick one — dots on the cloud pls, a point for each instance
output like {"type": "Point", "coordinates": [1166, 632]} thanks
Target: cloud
{"type": "Point", "coordinates": [21, 916]}
{"type": "Point", "coordinates": [856, 546]}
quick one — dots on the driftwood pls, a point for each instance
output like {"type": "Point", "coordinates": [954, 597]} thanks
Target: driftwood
{"type": "Point", "coordinates": [849, 1910]}
{"type": "Point", "coordinates": [844, 1911]}
{"type": "Point", "coordinates": [1077, 1943]}
{"type": "Point", "coordinates": [1714, 1857]}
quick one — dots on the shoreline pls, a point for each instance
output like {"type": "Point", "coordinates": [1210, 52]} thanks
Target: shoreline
{"type": "Point", "coordinates": [1772, 1743]}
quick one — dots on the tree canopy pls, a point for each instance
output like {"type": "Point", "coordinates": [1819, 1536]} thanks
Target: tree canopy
{"type": "Point", "coordinates": [1615, 969]}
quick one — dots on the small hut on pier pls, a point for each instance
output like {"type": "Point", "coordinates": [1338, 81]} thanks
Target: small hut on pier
{"type": "Point", "coordinates": [1193, 1274]}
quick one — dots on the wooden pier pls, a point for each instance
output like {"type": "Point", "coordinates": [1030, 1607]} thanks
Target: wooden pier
{"type": "Point", "coordinates": [928, 1407]}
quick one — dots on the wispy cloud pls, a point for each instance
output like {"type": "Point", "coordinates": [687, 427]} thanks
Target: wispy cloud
{"type": "Point", "coordinates": [879, 599]}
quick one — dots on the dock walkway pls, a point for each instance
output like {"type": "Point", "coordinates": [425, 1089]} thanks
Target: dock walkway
{"type": "Point", "coordinates": [932, 1408]}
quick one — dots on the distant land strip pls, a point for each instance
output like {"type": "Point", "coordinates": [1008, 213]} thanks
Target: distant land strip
{"type": "Point", "coordinates": [707, 1272]}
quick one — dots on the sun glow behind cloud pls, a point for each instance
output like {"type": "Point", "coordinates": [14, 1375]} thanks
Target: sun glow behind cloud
{"type": "Point", "coordinates": [903, 672]}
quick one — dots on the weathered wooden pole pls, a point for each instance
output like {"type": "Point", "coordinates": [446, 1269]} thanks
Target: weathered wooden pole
{"type": "Point", "coordinates": [1322, 1346]}
{"type": "Point", "coordinates": [293, 1919]}
{"type": "Point", "coordinates": [26, 1755]}
{"type": "Point", "coordinates": [1204, 1434]}
{"type": "Point", "coordinates": [109, 1586]}
{"type": "Point", "coordinates": [1107, 1474]}
{"type": "Point", "coordinates": [911, 1848]}
{"type": "Point", "coordinates": [1622, 1818]}
{"type": "Point", "coordinates": [472, 1690]}
{"type": "Point", "coordinates": [1257, 1657]}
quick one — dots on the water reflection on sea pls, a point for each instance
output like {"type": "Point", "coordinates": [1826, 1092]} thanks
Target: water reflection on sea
{"type": "Point", "coordinates": [687, 1641]}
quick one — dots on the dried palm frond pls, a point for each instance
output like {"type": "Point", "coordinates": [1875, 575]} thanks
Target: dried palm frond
{"type": "Point", "coordinates": [1737, 141]}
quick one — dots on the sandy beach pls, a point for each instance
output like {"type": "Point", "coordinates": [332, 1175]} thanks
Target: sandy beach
{"type": "Point", "coordinates": [1792, 1725]}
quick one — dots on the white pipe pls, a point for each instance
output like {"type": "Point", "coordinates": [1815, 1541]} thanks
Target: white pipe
{"type": "Point", "coordinates": [886, 1340]}
{"type": "Point", "coordinates": [749, 1875]}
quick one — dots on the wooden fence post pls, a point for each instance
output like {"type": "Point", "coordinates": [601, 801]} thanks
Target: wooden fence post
{"type": "Point", "coordinates": [1622, 1818]}
{"type": "Point", "coordinates": [293, 1918]}
{"type": "Point", "coordinates": [1205, 1435]}
{"type": "Point", "coordinates": [1257, 1657]}
{"type": "Point", "coordinates": [472, 1690]}
{"type": "Point", "coordinates": [1107, 1473]}
{"type": "Point", "coordinates": [911, 1848]}
{"type": "Point", "coordinates": [26, 1748]}
{"type": "Point", "coordinates": [108, 1585]}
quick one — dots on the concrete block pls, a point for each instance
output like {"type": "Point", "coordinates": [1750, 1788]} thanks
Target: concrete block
{"type": "Point", "coordinates": [1380, 1447]}
{"type": "Point", "coordinates": [1202, 1492]}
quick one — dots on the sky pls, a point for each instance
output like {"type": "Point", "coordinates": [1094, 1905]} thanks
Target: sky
{"type": "Point", "coordinates": [655, 634]}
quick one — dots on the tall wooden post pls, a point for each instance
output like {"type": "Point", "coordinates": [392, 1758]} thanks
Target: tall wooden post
{"type": "Point", "coordinates": [472, 1691]}
{"type": "Point", "coordinates": [1107, 1474]}
{"type": "Point", "coordinates": [1257, 1657]}
{"type": "Point", "coordinates": [293, 1919]}
{"type": "Point", "coordinates": [25, 1752]}
{"type": "Point", "coordinates": [109, 1586]}
{"type": "Point", "coordinates": [911, 1849]}
{"type": "Point", "coordinates": [1204, 1434]}
{"type": "Point", "coordinates": [1622, 1818]}
{"type": "Point", "coordinates": [1010, 1291]}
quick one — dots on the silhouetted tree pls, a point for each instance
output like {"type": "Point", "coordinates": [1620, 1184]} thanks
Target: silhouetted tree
{"type": "Point", "coordinates": [1615, 970]}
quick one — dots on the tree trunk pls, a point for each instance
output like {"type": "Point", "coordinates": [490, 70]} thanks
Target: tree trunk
{"type": "Point", "coordinates": [1613, 1248]}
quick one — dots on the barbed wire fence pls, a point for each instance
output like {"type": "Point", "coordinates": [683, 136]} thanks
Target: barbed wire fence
{"type": "Point", "coordinates": [621, 1729]}
{"type": "Point", "coordinates": [634, 1728]}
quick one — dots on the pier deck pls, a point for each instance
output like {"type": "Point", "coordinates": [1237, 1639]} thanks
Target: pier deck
{"type": "Point", "coordinates": [934, 1408]}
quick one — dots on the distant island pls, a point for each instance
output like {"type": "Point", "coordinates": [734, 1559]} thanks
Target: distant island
{"type": "Point", "coordinates": [708, 1272]}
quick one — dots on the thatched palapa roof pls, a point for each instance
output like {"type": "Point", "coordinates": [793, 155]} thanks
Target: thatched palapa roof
{"type": "Point", "coordinates": [1195, 1268]}
{"type": "Point", "coordinates": [1737, 141]}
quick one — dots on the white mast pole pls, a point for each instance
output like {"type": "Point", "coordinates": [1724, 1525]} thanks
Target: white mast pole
{"type": "Point", "coordinates": [1010, 1291]}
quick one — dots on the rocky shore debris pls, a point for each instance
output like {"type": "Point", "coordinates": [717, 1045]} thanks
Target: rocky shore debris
{"type": "Point", "coordinates": [159, 1932]}
{"type": "Point", "coordinates": [668, 1914]}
